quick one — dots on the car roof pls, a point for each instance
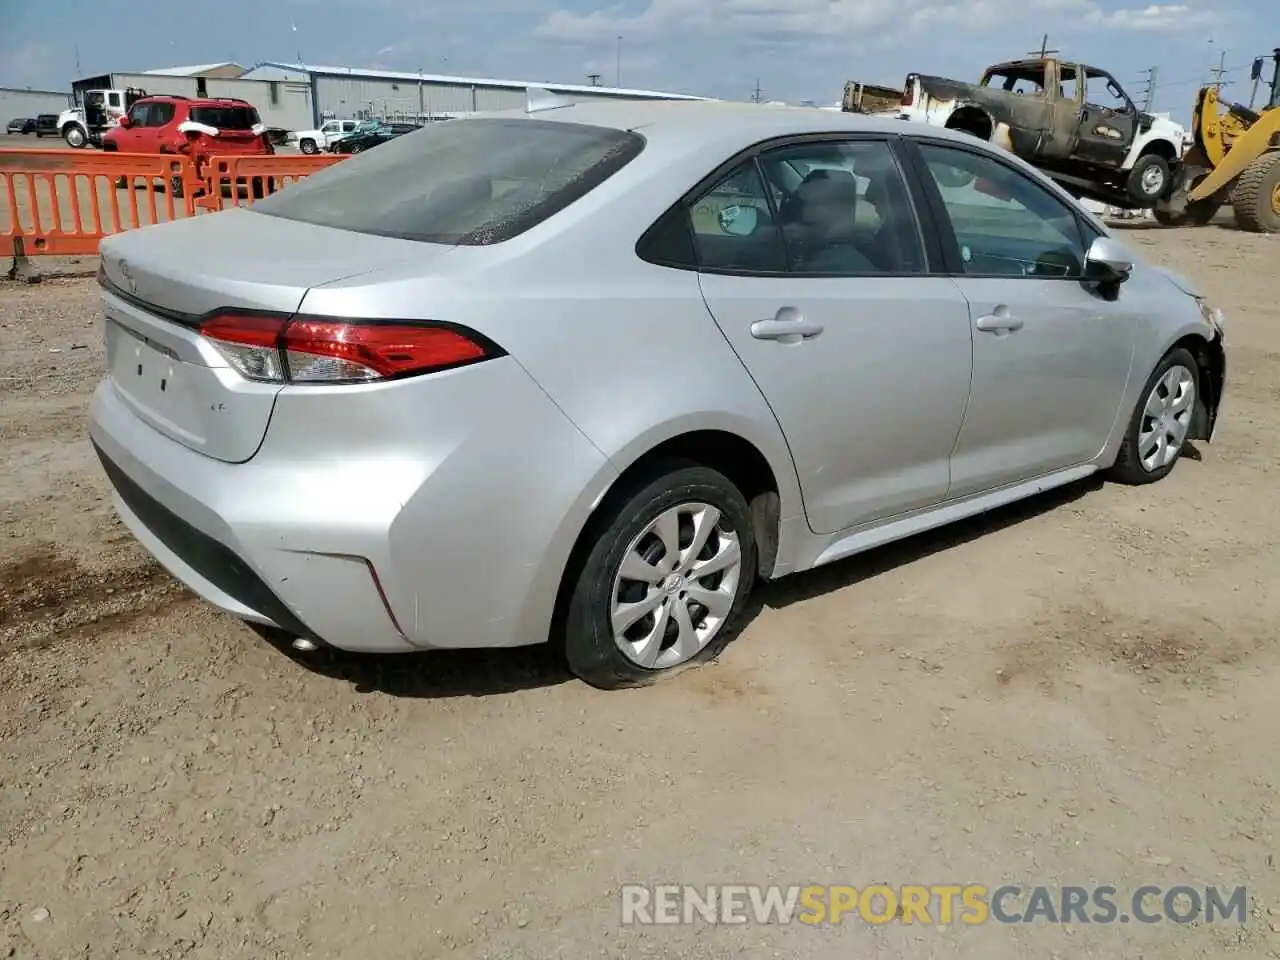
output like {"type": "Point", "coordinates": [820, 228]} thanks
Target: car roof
{"type": "Point", "coordinates": [709, 122]}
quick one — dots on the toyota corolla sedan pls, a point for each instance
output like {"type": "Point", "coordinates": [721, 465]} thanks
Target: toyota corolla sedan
{"type": "Point", "coordinates": [586, 373]}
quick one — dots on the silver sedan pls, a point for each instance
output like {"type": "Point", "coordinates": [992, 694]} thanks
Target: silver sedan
{"type": "Point", "coordinates": [587, 372]}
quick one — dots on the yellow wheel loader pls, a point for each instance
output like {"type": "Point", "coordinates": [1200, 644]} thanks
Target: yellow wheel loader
{"type": "Point", "coordinates": [1234, 158]}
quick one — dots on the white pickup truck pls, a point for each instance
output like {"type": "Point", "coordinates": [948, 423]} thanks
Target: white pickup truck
{"type": "Point", "coordinates": [318, 141]}
{"type": "Point", "coordinates": [1073, 121]}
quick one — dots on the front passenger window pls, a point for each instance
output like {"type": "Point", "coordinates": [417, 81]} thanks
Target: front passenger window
{"type": "Point", "coordinates": [1005, 224]}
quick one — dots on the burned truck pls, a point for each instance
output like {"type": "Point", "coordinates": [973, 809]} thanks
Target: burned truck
{"type": "Point", "coordinates": [1073, 121]}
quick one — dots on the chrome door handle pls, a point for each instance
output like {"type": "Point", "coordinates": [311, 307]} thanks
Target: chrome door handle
{"type": "Point", "coordinates": [787, 327]}
{"type": "Point", "coordinates": [999, 322]}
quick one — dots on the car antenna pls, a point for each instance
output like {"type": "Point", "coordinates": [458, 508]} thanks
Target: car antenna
{"type": "Point", "coordinates": [540, 98]}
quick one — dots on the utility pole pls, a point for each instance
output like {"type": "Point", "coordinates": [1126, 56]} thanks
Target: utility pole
{"type": "Point", "coordinates": [1149, 92]}
{"type": "Point", "coordinates": [1044, 50]}
{"type": "Point", "coordinates": [755, 97]}
{"type": "Point", "coordinates": [618, 75]}
{"type": "Point", "coordinates": [1220, 71]}
{"type": "Point", "coordinates": [594, 78]}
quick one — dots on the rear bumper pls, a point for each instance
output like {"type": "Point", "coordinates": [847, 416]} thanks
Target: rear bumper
{"type": "Point", "coordinates": [401, 517]}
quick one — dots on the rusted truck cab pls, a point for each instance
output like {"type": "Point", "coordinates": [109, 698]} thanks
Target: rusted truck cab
{"type": "Point", "coordinates": [1073, 120]}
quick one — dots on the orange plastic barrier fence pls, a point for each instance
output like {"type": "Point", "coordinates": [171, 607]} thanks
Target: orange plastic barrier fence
{"type": "Point", "coordinates": [254, 177]}
{"type": "Point", "coordinates": [63, 202]}
{"type": "Point", "coordinates": [59, 202]}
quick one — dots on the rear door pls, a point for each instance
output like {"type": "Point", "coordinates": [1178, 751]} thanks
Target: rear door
{"type": "Point", "coordinates": [823, 290]}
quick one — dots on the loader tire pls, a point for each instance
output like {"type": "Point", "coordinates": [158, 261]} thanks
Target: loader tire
{"type": "Point", "coordinates": [1256, 197]}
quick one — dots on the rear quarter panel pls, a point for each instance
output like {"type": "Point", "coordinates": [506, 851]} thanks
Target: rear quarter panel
{"type": "Point", "coordinates": [626, 349]}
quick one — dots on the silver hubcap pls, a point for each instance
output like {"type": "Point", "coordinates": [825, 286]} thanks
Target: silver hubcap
{"type": "Point", "coordinates": [1152, 180]}
{"type": "Point", "coordinates": [676, 585]}
{"type": "Point", "coordinates": [1166, 418]}
{"type": "Point", "coordinates": [75, 138]}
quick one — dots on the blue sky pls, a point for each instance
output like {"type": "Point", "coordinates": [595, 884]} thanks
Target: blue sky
{"type": "Point", "coordinates": [795, 49]}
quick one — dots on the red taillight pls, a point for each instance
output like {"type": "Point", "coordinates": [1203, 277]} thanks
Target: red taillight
{"type": "Point", "coordinates": [909, 90]}
{"type": "Point", "coordinates": [318, 351]}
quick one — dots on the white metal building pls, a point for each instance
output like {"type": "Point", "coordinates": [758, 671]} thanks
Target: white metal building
{"type": "Point", "coordinates": [16, 102]}
{"type": "Point", "coordinates": [280, 103]}
{"type": "Point", "coordinates": [350, 92]}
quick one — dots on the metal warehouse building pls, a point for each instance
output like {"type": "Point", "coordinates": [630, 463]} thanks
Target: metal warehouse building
{"type": "Point", "coordinates": [349, 92]}
{"type": "Point", "coordinates": [16, 102]}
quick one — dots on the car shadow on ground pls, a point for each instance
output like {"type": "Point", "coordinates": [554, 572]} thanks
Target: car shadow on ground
{"type": "Point", "coordinates": [478, 673]}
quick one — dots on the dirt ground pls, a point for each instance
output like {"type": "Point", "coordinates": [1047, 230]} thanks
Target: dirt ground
{"type": "Point", "coordinates": [1080, 690]}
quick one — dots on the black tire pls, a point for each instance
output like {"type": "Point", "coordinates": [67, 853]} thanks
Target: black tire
{"type": "Point", "coordinates": [308, 146]}
{"type": "Point", "coordinates": [1145, 167]}
{"type": "Point", "coordinates": [122, 183]}
{"type": "Point", "coordinates": [1128, 468]}
{"type": "Point", "coordinates": [1255, 200]}
{"type": "Point", "coordinates": [588, 638]}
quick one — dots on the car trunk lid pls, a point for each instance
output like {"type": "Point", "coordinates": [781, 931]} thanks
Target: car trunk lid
{"type": "Point", "coordinates": [162, 282]}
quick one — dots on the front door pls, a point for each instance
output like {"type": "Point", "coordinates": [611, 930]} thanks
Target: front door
{"type": "Point", "coordinates": [819, 283]}
{"type": "Point", "coordinates": [130, 139]}
{"type": "Point", "coordinates": [1108, 121]}
{"type": "Point", "coordinates": [1051, 355]}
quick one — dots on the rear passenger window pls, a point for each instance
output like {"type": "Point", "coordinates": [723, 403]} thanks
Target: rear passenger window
{"type": "Point", "coordinates": [733, 228]}
{"type": "Point", "coordinates": [844, 209]}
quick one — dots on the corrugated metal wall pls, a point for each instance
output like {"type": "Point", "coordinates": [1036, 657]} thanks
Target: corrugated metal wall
{"type": "Point", "coordinates": [280, 104]}
{"type": "Point", "coordinates": [30, 103]}
{"type": "Point", "coordinates": [289, 106]}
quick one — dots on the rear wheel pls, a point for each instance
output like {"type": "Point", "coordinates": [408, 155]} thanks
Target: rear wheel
{"type": "Point", "coordinates": [1256, 197]}
{"type": "Point", "coordinates": [665, 581]}
{"type": "Point", "coordinates": [1158, 429]}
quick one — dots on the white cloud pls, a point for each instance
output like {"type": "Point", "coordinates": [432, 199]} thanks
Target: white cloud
{"type": "Point", "coordinates": [1164, 17]}
{"type": "Point", "coordinates": [849, 21]}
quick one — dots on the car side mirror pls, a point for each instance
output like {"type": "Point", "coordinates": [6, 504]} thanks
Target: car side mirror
{"type": "Point", "coordinates": [739, 220]}
{"type": "Point", "coordinates": [126, 122]}
{"type": "Point", "coordinates": [1107, 261]}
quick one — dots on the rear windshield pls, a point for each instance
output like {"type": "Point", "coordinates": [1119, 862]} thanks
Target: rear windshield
{"type": "Point", "coordinates": [470, 182]}
{"type": "Point", "coordinates": [226, 118]}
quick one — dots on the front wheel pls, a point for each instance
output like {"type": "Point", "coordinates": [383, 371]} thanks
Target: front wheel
{"type": "Point", "coordinates": [75, 136]}
{"type": "Point", "coordinates": [308, 147]}
{"type": "Point", "coordinates": [1149, 179]}
{"type": "Point", "coordinates": [665, 581]}
{"type": "Point", "coordinates": [1158, 429]}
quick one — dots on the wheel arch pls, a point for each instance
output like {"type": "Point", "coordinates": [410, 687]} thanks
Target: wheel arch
{"type": "Point", "coordinates": [770, 487]}
{"type": "Point", "coordinates": [972, 119]}
{"type": "Point", "coordinates": [1160, 147]}
{"type": "Point", "coordinates": [1211, 361]}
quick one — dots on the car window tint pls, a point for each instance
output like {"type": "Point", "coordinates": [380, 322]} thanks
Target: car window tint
{"type": "Point", "coordinates": [474, 182]}
{"type": "Point", "coordinates": [140, 115]}
{"type": "Point", "coordinates": [225, 118]}
{"type": "Point", "coordinates": [733, 227]}
{"type": "Point", "coordinates": [160, 114]}
{"type": "Point", "coordinates": [844, 209]}
{"type": "Point", "coordinates": [1005, 224]}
